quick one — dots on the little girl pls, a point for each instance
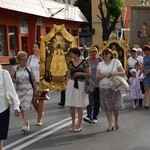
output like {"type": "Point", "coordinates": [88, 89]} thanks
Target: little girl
{"type": "Point", "coordinates": [135, 93]}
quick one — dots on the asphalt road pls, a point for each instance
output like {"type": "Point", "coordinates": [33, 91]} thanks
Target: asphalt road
{"type": "Point", "coordinates": [54, 134]}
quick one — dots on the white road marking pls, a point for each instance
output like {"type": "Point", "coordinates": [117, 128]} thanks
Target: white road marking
{"type": "Point", "coordinates": [59, 125]}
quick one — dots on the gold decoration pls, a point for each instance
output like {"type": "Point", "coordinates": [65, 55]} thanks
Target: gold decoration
{"type": "Point", "coordinates": [54, 57]}
{"type": "Point", "coordinates": [119, 49]}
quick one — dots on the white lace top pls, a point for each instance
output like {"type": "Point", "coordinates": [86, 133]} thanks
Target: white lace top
{"type": "Point", "coordinates": [107, 68]}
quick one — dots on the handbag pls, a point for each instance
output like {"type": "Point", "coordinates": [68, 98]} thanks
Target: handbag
{"type": "Point", "coordinates": [89, 86]}
{"type": "Point", "coordinates": [118, 82]}
{"type": "Point", "coordinates": [42, 94]}
{"type": "Point", "coordinates": [9, 99]}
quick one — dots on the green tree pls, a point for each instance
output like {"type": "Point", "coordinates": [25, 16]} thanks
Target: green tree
{"type": "Point", "coordinates": [85, 7]}
{"type": "Point", "coordinates": [110, 11]}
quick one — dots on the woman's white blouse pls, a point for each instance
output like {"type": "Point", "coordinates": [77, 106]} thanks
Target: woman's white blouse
{"type": "Point", "coordinates": [132, 61]}
{"type": "Point", "coordinates": [107, 68]}
{"type": "Point", "coordinates": [6, 86]}
{"type": "Point", "coordinates": [33, 62]}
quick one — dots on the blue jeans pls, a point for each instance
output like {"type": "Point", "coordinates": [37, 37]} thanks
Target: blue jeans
{"type": "Point", "coordinates": [94, 104]}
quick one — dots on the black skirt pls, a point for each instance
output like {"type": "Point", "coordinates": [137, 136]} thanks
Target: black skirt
{"type": "Point", "coordinates": [4, 124]}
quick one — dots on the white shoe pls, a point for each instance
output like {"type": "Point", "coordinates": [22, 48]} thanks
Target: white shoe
{"type": "Point", "coordinates": [94, 121]}
{"type": "Point", "coordinates": [26, 128]}
{"type": "Point", "coordinates": [134, 106]}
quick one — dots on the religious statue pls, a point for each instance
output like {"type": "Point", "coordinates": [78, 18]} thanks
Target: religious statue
{"type": "Point", "coordinates": [54, 57]}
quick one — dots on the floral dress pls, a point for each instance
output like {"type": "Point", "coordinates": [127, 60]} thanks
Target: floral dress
{"type": "Point", "coordinates": [24, 87]}
{"type": "Point", "coordinates": [135, 89]}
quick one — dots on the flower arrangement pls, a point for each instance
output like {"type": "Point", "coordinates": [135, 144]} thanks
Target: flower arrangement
{"type": "Point", "coordinates": [13, 60]}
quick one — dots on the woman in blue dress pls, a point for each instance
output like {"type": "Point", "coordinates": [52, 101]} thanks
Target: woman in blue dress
{"type": "Point", "coordinates": [146, 72]}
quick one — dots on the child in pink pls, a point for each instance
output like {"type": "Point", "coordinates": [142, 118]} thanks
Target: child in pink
{"type": "Point", "coordinates": [135, 93]}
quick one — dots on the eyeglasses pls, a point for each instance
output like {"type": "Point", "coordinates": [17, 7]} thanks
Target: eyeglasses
{"type": "Point", "coordinates": [23, 59]}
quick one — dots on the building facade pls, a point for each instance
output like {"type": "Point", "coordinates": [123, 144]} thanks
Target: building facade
{"type": "Point", "coordinates": [96, 22]}
{"type": "Point", "coordinates": [23, 22]}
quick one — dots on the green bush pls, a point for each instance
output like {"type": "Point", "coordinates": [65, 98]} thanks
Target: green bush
{"type": "Point", "coordinates": [13, 60]}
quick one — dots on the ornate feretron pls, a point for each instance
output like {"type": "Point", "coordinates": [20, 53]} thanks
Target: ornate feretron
{"type": "Point", "coordinates": [54, 57]}
{"type": "Point", "coordinates": [119, 49]}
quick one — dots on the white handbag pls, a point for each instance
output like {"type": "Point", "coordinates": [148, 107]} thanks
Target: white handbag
{"type": "Point", "coordinates": [118, 82]}
{"type": "Point", "coordinates": [9, 99]}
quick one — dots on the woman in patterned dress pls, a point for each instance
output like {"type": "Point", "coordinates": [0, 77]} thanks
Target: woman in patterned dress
{"type": "Point", "coordinates": [76, 98]}
{"type": "Point", "coordinates": [111, 100]}
{"type": "Point", "coordinates": [25, 82]}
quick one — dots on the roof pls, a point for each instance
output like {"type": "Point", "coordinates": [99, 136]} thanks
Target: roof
{"type": "Point", "coordinates": [63, 11]}
{"type": "Point", "coordinates": [26, 6]}
{"type": "Point", "coordinates": [45, 8]}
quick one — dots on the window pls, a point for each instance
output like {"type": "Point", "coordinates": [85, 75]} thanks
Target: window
{"type": "Point", "coordinates": [2, 41]}
{"type": "Point", "coordinates": [23, 26]}
{"type": "Point", "coordinates": [13, 40]}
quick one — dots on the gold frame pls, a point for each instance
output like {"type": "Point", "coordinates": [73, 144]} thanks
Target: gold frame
{"type": "Point", "coordinates": [57, 82]}
{"type": "Point", "coordinates": [122, 44]}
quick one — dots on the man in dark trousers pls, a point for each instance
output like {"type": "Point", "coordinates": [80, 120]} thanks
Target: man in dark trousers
{"type": "Point", "coordinates": [62, 98]}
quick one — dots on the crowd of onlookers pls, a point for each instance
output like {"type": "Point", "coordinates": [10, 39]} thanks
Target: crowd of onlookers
{"type": "Point", "coordinates": [23, 82]}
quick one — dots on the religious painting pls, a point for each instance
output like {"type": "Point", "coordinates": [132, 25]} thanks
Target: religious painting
{"type": "Point", "coordinates": [119, 50]}
{"type": "Point", "coordinates": [54, 57]}
{"type": "Point", "coordinates": [140, 25]}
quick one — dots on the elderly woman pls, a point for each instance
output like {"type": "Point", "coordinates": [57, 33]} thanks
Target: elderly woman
{"type": "Point", "coordinates": [111, 100]}
{"type": "Point", "coordinates": [26, 85]}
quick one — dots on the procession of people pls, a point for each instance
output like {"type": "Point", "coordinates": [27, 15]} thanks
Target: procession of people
{"type": "Point", "coordinates": [24, 81]}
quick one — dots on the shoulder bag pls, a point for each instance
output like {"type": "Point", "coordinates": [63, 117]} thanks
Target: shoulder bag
{"type": "Point", "coordinates": [118, 82]}
{"type": "Point", "coordinates": [89, 86]}
{"type": "Point", "coordinates": [9, 99]}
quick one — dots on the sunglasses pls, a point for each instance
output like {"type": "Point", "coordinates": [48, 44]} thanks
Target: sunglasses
{"type": "Point", "coordinates": [105, 53]}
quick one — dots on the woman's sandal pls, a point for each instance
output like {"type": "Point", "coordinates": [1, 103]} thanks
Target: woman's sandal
{"type": "Point", "coordinates": [117, 126]}
{"type": "Point", "coordinates": [109, 129]}
{"type": "Point", "coordinates": [78, 129]}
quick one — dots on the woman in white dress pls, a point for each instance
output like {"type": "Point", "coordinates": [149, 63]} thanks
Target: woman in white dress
{"type": "Point", "coordinates": [34, 63]}
{"type": "Point", "coordinates": [76, 98]}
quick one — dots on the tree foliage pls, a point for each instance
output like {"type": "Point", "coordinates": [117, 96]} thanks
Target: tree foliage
{"type": "Point", "coordinates": [85, 7]}
{"type": "Point", "coordinates": [110, 11]}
